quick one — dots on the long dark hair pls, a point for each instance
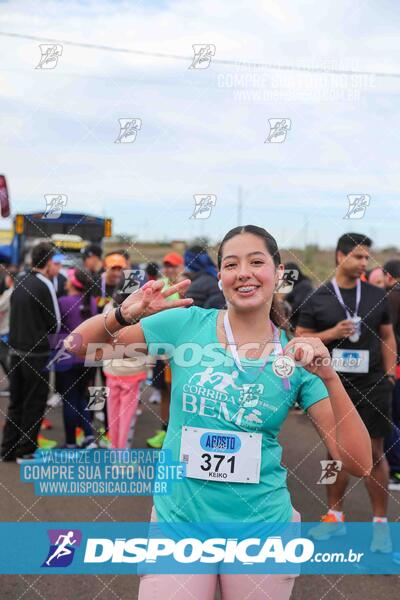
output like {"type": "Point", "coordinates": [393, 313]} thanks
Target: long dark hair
{"type": "Point", "coordinates": [277, 314]}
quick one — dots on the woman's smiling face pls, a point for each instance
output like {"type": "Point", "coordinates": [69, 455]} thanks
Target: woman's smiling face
{"type": "Point", "coordinates": [248, 274]}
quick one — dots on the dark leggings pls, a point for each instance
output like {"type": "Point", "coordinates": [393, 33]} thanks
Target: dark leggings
{"type": "Point", "coordinates": [72, 385]}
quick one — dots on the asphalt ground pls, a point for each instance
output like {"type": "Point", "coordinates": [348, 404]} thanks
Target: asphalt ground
{"type": "Point", "coordinates": [302, 453]}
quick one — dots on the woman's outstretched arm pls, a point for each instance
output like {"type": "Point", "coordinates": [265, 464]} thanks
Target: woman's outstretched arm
{"type": "Point", "coordinates": [146, 301]}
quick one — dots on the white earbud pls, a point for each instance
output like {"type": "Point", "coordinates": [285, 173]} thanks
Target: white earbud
{"type": "Point", "coordinates": [220, 285]}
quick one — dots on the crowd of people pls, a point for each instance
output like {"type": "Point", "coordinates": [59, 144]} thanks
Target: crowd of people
{"type": "Point", "coordinates": [41, 305]}
{"type": "Point", "coordinates": [231, 302]}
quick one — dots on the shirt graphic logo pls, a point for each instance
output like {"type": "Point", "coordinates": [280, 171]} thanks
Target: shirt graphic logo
{"type": "Point", "coordinates": [219, 380]}
{"type": "Point", "coordinates": [254, 417]}
{"type": "Point", "coordinates": [250, 394]}
{"type": "Point", "coordinates": [62, 547]}
{"type": "Point", "coordinates": [216, 394]}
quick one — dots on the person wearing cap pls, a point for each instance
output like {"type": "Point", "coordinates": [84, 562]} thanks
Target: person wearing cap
{"type": "Point", "coordinates": [391, 273]}
{"type": "Point", "coordinates": [202, 271]}
{"type": "Point", "coordinates": [92, 260]}
{"type": "Point", "coordinates": [172, 269]}
{"type": "Point", "coordinates": [58, 279]}
{"type": "Point", "coordinates": [114, 263]}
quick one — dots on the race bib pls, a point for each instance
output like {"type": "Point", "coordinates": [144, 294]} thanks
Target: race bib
{"type": "Point", "coordinates": [233, 457]}
{"type": "Point", "coordinates": [350, 361]}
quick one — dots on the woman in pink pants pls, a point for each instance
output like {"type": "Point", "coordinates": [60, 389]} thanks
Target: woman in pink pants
{"type": "Point", "coordinates": [124, 380]}
{"type": "Point", "coordinates": [235, 376]}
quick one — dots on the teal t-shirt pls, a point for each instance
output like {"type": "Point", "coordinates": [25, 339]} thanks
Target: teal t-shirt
{"type": "Point", "coordinates": [206, 393]}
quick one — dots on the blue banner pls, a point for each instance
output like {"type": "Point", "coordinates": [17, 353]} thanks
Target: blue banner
{"type": "Point", "coordinates": [252, 548]}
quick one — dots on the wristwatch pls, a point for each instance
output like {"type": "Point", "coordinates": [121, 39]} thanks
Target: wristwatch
{"type": "Point", "coordinates": [391, 379]}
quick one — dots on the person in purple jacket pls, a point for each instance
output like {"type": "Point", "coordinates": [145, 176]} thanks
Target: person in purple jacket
{"type": "Point", "coordinates": [73, 378]}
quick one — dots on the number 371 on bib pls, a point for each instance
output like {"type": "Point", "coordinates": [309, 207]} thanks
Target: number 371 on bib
{"type": "Point", "coordinates": [225, 456]}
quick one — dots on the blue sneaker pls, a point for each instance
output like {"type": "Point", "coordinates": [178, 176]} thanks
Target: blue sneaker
{"type": "Point", "coordinates": [330, 526]}
{"type": "Point", "coordinates": [381, 541]}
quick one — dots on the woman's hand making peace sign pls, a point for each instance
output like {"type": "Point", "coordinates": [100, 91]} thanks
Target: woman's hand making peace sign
{"type": "Point", "coordinates": [152, 298]}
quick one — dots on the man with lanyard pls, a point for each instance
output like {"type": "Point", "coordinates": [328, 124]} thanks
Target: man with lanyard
{"type": "Point", "coordinates": [34, 316]}
{"type": "Point", "coordinates": [391, 272]}
{"type": "Point", "coordinates": [352, 319]}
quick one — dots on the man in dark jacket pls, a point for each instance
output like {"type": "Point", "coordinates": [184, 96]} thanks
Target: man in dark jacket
{"type": "Point", "coordinates": [34, 315]}
{"type": "Point", "coordinates": [202, 271]}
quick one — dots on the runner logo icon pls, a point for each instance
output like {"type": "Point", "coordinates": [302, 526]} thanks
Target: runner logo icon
{"type": "Point", "coordinates": [330, 471]}
{"type": "Point", "coordinates": [62, 547]}
{"type": "Point", "coordinates": [358, 204]}
{"type": "Point", "coordinates": [278, 129]}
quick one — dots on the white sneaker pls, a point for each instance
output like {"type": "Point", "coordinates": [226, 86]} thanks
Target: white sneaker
{"type": "Point", "coordinates": [394, 486]}
{"type": "Point", "coordinates": [394, 482]}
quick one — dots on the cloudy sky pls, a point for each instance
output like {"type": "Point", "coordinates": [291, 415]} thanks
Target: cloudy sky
{"type": "Point", "coordinates": [204, 131]}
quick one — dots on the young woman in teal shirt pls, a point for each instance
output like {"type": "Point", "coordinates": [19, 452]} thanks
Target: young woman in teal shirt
{"type": "Point", "coordinates": [232, 387]}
